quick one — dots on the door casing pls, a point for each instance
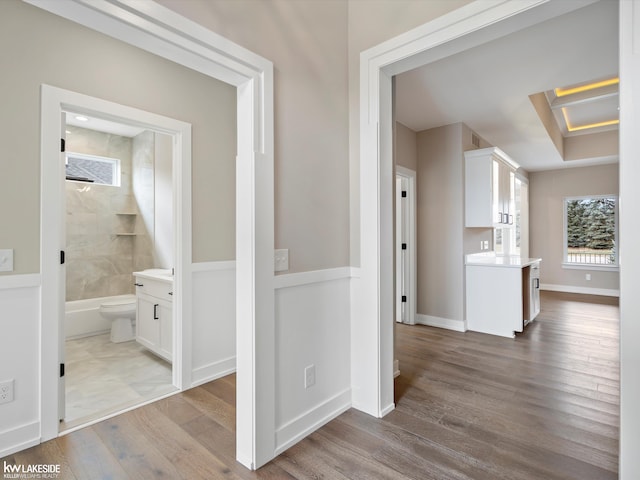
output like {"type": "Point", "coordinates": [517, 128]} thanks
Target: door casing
{"type": "Point", "coordinates": [156, 29]}
{"type": "Point", "coordinates": [54, 102]}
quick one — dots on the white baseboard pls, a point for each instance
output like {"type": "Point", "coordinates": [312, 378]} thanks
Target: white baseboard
{"type": "Point", "coordinates": [396, 368]}
{"type": "Point", "coordinates": [213, 371]}
{"type": "Point", "coordinates": [584, 290]}
{"type": "Point", "coordinates": [298, 428]}
{"type": "Point", "coordinates": [20, 438]}
{"type": "Point", "coordinates": [440, 322]}
{"type": "Point", "coordinates": [388, 409]}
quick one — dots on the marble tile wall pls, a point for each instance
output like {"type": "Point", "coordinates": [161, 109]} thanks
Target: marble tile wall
{"type": "Point", "coordinates": [100, 259]}
{"type": "Point", "coordinates": [143, 191]}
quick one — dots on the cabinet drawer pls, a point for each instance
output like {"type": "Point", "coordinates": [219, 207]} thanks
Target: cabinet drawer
{"type": "Point", "coordinates": [155, 288]}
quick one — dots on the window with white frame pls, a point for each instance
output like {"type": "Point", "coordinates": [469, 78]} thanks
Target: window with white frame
{"type": "Point", "coordinates": [591, 231]}
{"type": "Point", "coordinates": [93, 169]}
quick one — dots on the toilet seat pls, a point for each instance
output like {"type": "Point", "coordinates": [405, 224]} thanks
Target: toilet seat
{"type": "Point", "coordinates": [122, 313]}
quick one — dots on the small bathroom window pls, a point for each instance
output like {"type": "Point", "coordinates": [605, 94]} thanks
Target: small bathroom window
{"type": "Point", "coordinates": [93, 169]}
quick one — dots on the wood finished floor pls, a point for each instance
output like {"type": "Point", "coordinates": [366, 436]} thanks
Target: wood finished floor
{"type": "Point", "coordinates": [469, 406]}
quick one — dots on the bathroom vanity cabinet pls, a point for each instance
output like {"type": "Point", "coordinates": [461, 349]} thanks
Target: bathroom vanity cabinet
{"type": "Point", "coordinates": [154, 312]}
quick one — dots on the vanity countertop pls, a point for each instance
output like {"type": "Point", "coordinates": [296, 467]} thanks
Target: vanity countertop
{"type": "Point", "coordinates": [164, 275]}
{"type": "Point", "coordinates": [490, 259]}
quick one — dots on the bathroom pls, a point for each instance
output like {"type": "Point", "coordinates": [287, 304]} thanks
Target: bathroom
{"type": "Point", "coordinates": [119, 220]}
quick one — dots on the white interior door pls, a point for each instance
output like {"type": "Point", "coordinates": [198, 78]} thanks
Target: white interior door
{"type": "Point", "coordinates": [401, 267]}
{"type": "Point", "coordinates": [62, 280]}
{"type": "Point", "coordinates": [405, 246]}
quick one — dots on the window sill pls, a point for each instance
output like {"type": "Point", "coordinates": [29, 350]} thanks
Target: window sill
{"type": "Point", "coordinates": [587, 266]}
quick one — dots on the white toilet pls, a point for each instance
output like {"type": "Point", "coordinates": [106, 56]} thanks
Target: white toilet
{"type": "Point", "coordinates": [122, 313]}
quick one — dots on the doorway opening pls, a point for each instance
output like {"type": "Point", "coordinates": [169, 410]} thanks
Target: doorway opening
{"type": "Point", "coordinates": [113, 214]}
{"type": "Point", "coordinates": [153, 29]}
{"type": "Point", "coordinates": [462, 29]}
{"type": "Point", "coordinates": [119, 260]}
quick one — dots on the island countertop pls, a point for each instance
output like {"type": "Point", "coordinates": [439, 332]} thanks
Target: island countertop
{"type": "Point", "coordinates": [490, 259]}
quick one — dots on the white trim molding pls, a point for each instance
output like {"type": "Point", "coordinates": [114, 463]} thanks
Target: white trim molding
{"type": "Point", "coordinates": [315, 276]}
{"type": "Point", "coordinates": [305, 424]}
{"type": "Point", "coordinates": [629, 45]}
{"type": "Point", "coordinates": [476, 23]}
{"type": "Point", "coordinates": [213, 371]}
{"type": "Point", "coordinates": [159, 30]}
{"type": "Point", "coordinates": [26, 280]}
{"type": "Point", "coordinates": [441, 322]}
{"type": "Point", "coordinates": [20, 438]}
{"type": "Point", "coordinates": [607, 292]}
{"type": "Point", "coordinates": [54, 102]}
{"type": "Point", "coordinates": [213, 266]}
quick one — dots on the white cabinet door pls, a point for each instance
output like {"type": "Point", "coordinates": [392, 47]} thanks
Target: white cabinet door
{"type": "Point", "coordinates": [489, 189]}
{"type": "Point", "coordinates": [154, 325]}
{"type": "Point", "coordinates": [147, 324]}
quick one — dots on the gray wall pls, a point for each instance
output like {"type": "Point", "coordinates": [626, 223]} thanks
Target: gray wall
{"type": "Point", "coordinates": [440, 208]}
{"type": "Point", "coordinates": [547, 190]}
{"type": "Point", "coordinates": [442, 238]}
{"type": "Point", "coordinates": [371, 23]}
{"type": "Point", "coordinates": [307, 42]}
{"type": "Point", "coordinates": [103, 67]}
{"type": "Point", "coordinates": [406, 147]}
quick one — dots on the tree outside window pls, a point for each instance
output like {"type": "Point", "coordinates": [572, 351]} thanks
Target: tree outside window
{"type": "Point", "coordinates": [591, 230]}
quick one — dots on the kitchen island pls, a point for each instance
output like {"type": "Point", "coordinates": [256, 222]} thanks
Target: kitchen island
{"type": "Point", "coordinates": [502, 293]}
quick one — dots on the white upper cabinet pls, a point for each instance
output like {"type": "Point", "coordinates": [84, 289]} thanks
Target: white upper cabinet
{"type": "Point", "coordinates": [489, 188]}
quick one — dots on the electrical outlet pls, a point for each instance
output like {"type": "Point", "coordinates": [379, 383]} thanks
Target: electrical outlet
{"type": "Point", "coordinates": [6, 391]}
{"type": "Point", "coordinates": [587, 277]}
{"type": "Point", "coordinates": [6, 260]}
{"type": "Point", "coordinates": [309, 376]}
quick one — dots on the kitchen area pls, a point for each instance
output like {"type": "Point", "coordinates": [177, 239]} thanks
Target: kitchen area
{"type": "Point", "coordinates": [473, 270]}
{"type": "Point", "coordinates": [502, 285]}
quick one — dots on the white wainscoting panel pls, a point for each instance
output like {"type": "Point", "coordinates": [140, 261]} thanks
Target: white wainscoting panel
{"type": "Point", "coordinates": [20, 361]}
{"type": "Point", "coordinates": [312, 329]}
{"type": "Point", "coordinates": [214, 321]}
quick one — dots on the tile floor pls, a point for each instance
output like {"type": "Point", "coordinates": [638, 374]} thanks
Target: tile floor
{"type": "Point", "coordinates": [104, 377]}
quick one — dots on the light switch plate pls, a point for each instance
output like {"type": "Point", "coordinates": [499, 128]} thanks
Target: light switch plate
{"type": "Point", "coordinates": [281, 258]}
{"type": "Point", "coordinates": [6, 260]}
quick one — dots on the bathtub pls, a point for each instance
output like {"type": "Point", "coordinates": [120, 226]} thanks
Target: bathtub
{"type": "Point", "coordinates": [83, 319]}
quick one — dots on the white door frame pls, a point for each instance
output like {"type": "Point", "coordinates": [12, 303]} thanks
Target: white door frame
{"type": "Point", "coordinates": [54, 101]}
{"type": "Point", "coordinates": [406, 229]}
{"type": "Point", "coordinates": [476, 23]}
{"type": "Point", "coordinates": [157, 29]}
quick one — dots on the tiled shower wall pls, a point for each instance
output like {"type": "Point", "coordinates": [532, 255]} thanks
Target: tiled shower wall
{"type": "Point", "coordinates": [100, 255]}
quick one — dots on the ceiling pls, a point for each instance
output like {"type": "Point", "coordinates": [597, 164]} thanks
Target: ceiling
{"type": "Point", "coordinates": [488, 87]}
{"type": "Point", "coordinates": [103, 125]}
